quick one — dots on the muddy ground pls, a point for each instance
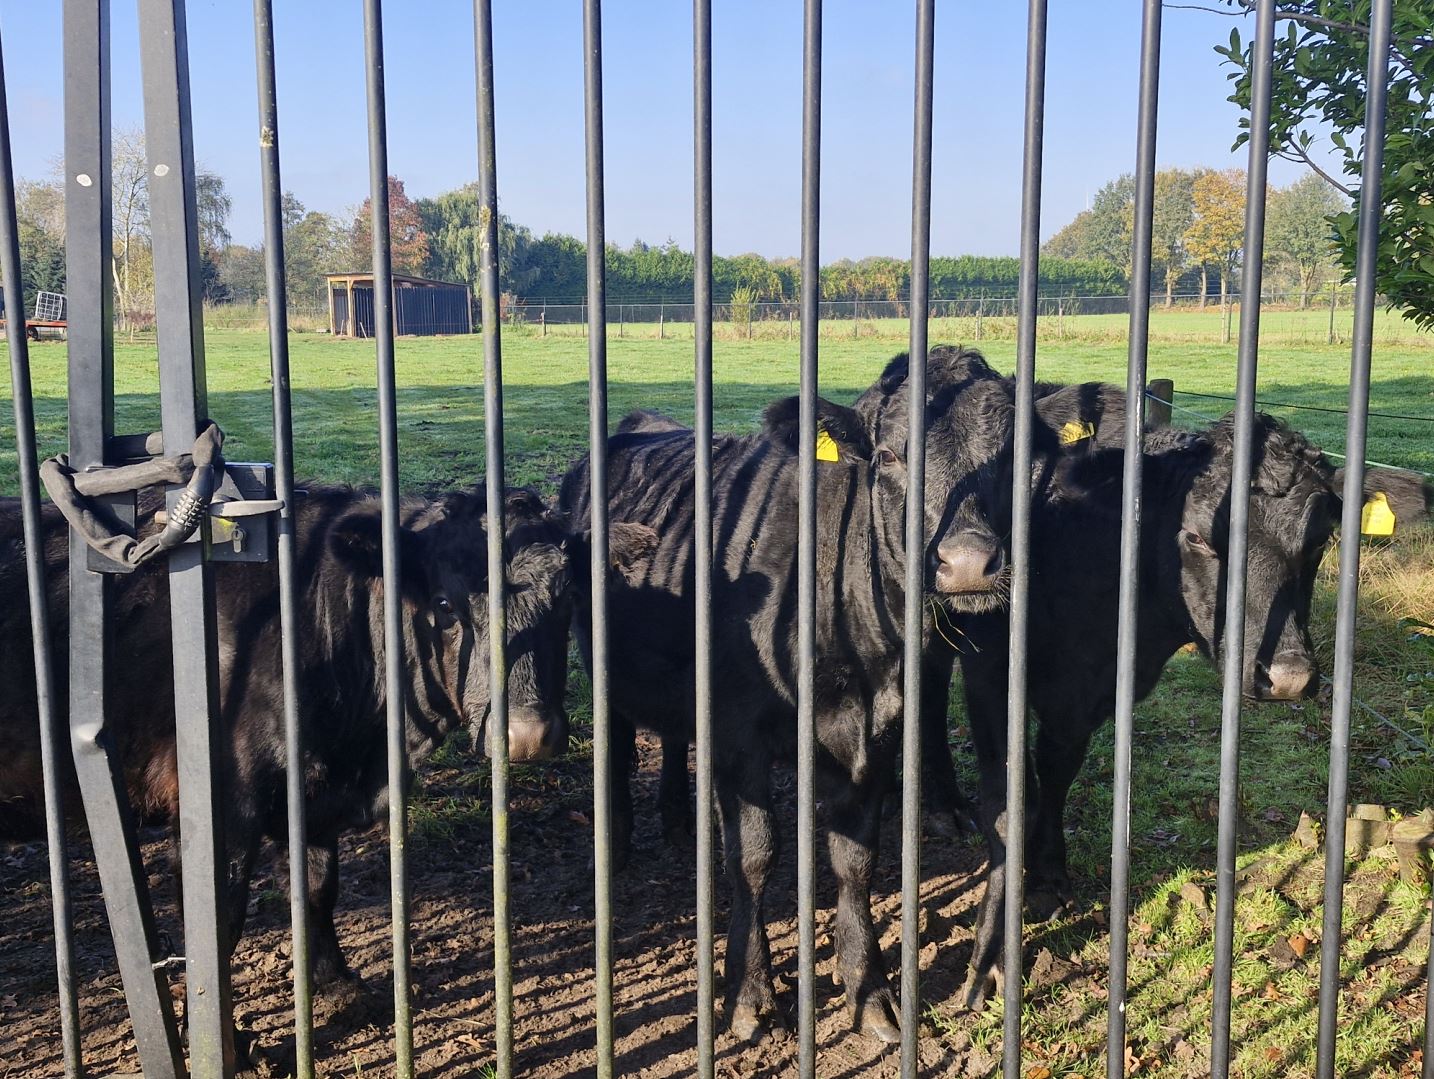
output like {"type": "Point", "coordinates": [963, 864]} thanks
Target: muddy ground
{"type": "Point", "coordinates": [552, 901]}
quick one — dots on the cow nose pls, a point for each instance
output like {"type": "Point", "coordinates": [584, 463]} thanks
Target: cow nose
{"type": "Point", "coordinates": [534, 734]}
{"type": "Point", "coordinates": [969, 562]}
{"type": "Point", "coordinates": [1288, 677]}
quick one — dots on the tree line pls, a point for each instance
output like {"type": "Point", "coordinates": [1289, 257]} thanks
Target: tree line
{"type": "Point", "coordinates": [438, 238]}
{"type": "Point", "coordinates": [1198, 237]}
{"type": "Point", "coordinates": [1198, 231]}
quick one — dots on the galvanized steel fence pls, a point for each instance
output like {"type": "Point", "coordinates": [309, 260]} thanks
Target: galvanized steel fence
{"type": "Point", "coordinates": [93, 444]}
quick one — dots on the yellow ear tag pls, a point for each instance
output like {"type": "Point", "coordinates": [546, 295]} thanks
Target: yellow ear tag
{"type": "Point", "coordinates": [1377, 518]}
{"type": "Point", "coordinates": [1076, 431]}
{"type": "Point", "coordinates": [826, 446]}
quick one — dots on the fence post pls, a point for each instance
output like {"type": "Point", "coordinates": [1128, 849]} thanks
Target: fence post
{"type": "Point", "coordinates": [1333, 301]}
{"type": "Point", "coordinates": [749, 322]}
{"type": "Point", "coordinates": [543, 318]}
{"type": "Point", "coordinates": [1159, 393]}
{"type": "Point", "coordinates": [790, 318]}
{"type": "Point", "coordinates": [980, 313]}
{"type": "Point", "coordinates": [585, 319]}
{"type": "Point", "coordinates": [1061, 317]}
{"type": "Point", "coordinates": [853, 318]}
{"type": "Point", "coordinates": [621, 326]}
{"type": "Point", "coordinates": [661, 319]}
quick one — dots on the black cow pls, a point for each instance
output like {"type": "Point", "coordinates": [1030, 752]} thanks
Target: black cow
{"type": "Point", "coordinates": [1075, 543]}
{"type": "Point", "coordinates": [860, 603]}
{"type": "Point", "coordinates": [341, 680]}
{"type": "Point", "coordinates": [1407, 499]}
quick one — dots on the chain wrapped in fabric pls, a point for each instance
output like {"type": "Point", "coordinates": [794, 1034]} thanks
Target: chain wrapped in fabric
{"type": "Point", "coordinates": [201, 471]}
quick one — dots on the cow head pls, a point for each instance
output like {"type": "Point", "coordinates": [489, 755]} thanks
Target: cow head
{"type": "Point", "coordinates": [968, 472]}
{"type": "Point", "coordinates": [1293, 513]}
{"type": "Point", "coordinates": [444, 564]}
{"type": "Point", "coordinates": [968, 469]}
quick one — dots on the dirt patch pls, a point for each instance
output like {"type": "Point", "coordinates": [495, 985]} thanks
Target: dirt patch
{"type": "Point", "coordinates": [552, 900]}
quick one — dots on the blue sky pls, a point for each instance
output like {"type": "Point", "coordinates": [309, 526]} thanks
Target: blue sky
{"type": "Point", "coordinates": [867, 100]}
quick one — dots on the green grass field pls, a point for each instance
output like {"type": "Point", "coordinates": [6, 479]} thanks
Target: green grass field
{"type": "Point", "coordinates": [545, 401]}
{"type": "Point", "coordinates": [1177, 729]}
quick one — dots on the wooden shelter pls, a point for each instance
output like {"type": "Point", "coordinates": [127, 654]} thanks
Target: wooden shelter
{"type": "Point", "coordinates": [420, 307]}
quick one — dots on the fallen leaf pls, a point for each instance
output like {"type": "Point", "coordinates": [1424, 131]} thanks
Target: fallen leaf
{"type": "Point", "coordinates": [1132, 1062]}
{"type": "Point", "coordinates": [1184, 1051]}
{"type": "Point", "coordinates": [577, 816]}
{"type": "Point", "coordinates": [1271, 992]}
{"type": "Point", "coordinates": [1299, 944]}
{"type": "Point", "coordinates": [1040, 1071]}
{"type": "Point", "coordinates": [1272, 1054]}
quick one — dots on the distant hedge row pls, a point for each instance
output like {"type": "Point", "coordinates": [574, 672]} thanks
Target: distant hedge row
{"type": "Point", "coordinates": [554, 268]}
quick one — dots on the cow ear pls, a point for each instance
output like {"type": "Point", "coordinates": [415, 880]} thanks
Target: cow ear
{"type": "Point", "coordinates": [630, 547]}
{"type": "Point", "coordinates": [357, 542]}
{"type": "Point", "coordinates": [1396, 499]}
{"type": "Point", "coordinates": [841, 434]}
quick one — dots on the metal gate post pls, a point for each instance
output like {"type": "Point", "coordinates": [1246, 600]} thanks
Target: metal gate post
{"type": "Point", "coordinates": [91, 425]}
{"type": "Point", "coordinates": [174, 217]}
{"type": "Point", "coordinates": [915, 537]}
{"type": "Point", "coordinates": [45, 690]}
{"type": "Point", "coordinates": [497, 530]}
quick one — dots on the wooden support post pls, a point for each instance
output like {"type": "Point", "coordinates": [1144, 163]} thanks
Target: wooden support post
{"type": "Point", "coordinates": [1159, 393]}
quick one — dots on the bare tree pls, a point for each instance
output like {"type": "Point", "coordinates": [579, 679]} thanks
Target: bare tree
{"type": "Point", "coordinates": [130, 261]}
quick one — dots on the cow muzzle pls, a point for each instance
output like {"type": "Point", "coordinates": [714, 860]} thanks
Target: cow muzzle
{"type": "Point", "coordinates": [969, 564]}
{"type": "Point", "coordinates": [533, 733]}
{"type": "Point", "coordinates": [1290, 676]}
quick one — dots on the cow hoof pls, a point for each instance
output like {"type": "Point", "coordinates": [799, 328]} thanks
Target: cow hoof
{"type": "Point", "coordinates": [341, 990]}
{"type": "Point", "coordinates": [979, 988]}
{"type": "Point", "coordinates": [877, 1020]}
{"type": "Point", "coordinates": [1050, 901]}
{"type": "Point", "coordinates": [746, 1023]}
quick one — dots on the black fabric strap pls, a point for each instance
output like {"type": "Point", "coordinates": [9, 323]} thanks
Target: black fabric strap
{"type": "Point", "coordinates": [200, 470]}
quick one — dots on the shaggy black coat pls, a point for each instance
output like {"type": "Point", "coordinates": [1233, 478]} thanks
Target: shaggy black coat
{"type": "Point", "coordinates": [1075, 545]}
{"type": "Point", "coordinates": [859, 642]}
{"type": "Point", "coordinates": [341, 680]}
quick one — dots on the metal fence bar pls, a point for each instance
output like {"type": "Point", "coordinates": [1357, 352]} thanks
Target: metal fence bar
{"type": "Point", "coordinates": [1371, 204]}
{"type": "Point", "coordinates": [284, 489]}
{"type": "Point", "coordinates": [1427, 1072]}
{"type": "Point", "coordinates": [807, 544]}
{"type": "Point", "coordinates": [91, 425]}
{"type": "Point", "coordinates": [1236, 558]}
{"type": "Point", "coordinates": [915, 609]}
{"type": "Point", "coordinates": [388, 493]}
{"type": "Point", "coordinates": [597, 451]}
{"type": "Point", "coordinates": [1127, 633]}
{"type": "Point", "coordinates": [1032, 161]}
{"type": "Point", "coordinates": [199, 738]}
{"type": "Point", "coordinates": [497, 577]}
{"type": "Point", "coordinates": [702, 523]}
{"type": "Point", "coordinates": [45, 700]}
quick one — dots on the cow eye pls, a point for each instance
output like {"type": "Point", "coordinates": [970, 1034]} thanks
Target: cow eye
{"type": "Point", "coordinates": [442, 606]}
{"type": "Point", "coordinates": [885, 456]}
{"type": "Point", "coordinates": [1196, 542]}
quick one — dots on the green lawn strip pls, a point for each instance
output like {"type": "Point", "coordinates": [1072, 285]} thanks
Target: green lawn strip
{"type": "Point", "coordinates": [545, 392]}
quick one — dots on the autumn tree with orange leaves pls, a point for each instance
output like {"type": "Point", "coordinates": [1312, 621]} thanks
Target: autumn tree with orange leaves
{"type": "Point", "coordinates": [405, 229]}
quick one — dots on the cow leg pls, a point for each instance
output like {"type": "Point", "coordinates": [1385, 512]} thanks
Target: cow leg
{"type": "Point", "coordinates": [326, 957]}
{"type": "Point", "coordinates": [948, 810]}
{"type": "Point", "coordinates": [622, 759]}
{"type": "Point", "coordinates": [243, 850]}
{"type": "Point", "coordinates": [1057, 764]}
{"type": "Point", "coordinates": [750, 846]}
{"type": "Point", "coordinates": [853, 841]}
{"type": "Point", "coordinates": [674, 799]}
{"type": "Point", "coordinates": [986, 704]}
